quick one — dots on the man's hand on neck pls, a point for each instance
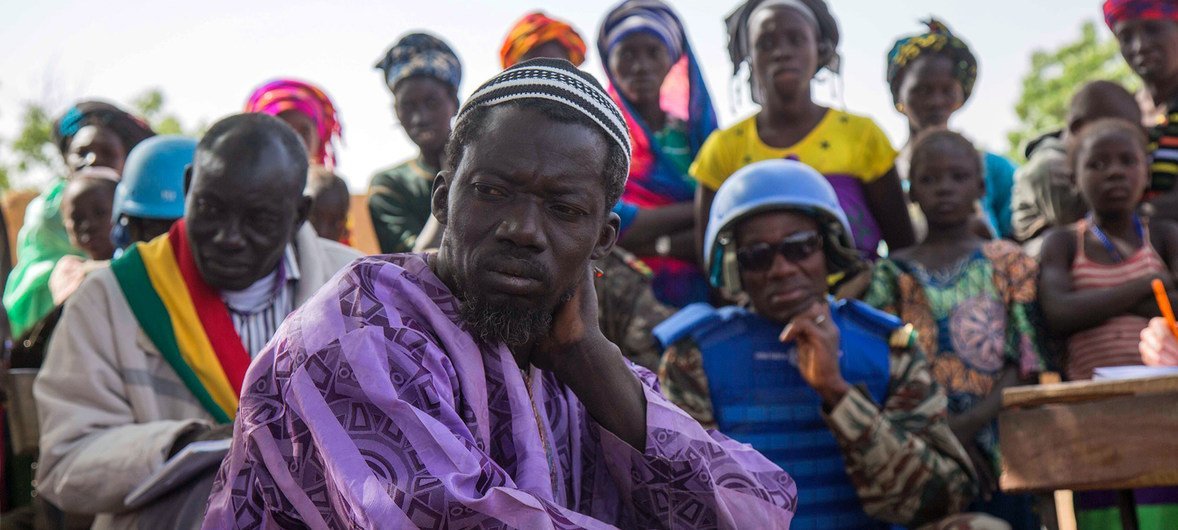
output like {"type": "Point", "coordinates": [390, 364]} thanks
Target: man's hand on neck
{"type": "Point", "coordinates": [581, 357]}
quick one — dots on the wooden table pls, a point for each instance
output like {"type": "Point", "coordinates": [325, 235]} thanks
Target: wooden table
{"type": "Point", "coordinates": [1091, 435]}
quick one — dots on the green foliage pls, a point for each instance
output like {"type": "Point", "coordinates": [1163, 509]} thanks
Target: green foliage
{"type": "Point", "coordinates": [150, 106]}
{"type": "Point", "coordinates": [1055, 75]}
{"type": "Point", "coordinates": [32, 150]}
{"type": "Point", "coordinates": [33, 147]}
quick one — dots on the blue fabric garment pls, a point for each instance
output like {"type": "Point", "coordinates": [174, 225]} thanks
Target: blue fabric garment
{"type": "Point", "coordinates": [999, 172]}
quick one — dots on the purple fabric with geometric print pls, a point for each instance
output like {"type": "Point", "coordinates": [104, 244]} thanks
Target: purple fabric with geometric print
{"type": "Point", "coordinates": [373, 407]}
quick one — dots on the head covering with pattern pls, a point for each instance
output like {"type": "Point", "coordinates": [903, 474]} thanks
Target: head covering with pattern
{"type": "Point", "coordinates": [421, 54]}
{"type": "Point", "coordinates": [1118, 10]}
{"type": "Point", "coordinates": [281, 95]}
{"type": "Point", "coordinates": [536, 29]}
{"type": "Point", "coordinates": [938, 39]}
{"type": "Point", "coordinates": [554, 80]}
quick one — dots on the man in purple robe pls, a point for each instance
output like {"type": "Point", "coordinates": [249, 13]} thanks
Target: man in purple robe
{"type": "Point", "coordinates": [474, 388]}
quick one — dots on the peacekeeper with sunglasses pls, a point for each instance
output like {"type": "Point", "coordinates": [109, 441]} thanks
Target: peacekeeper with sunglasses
{"type": "Point", "coordinates": [835, 392]}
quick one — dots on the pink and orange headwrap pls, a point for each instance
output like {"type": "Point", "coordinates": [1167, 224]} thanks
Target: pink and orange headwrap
{"type": "Point", "coordinates": [536, 29]}
{"type": "Point", "coordinates": [1118, 10]}
{"type": "Point", "coordinates": [282, 95]}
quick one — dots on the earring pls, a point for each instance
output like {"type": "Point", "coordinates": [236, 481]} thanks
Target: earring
{"type": "Point", "coordinates": [900, 107]}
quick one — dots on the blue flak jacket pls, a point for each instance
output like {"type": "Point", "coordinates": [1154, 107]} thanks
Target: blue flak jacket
{"type": "Point", "coordinates": [759, 397]}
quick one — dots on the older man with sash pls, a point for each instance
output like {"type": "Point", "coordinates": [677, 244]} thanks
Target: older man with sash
{"type": "Point", "coordinates": [150, 354]}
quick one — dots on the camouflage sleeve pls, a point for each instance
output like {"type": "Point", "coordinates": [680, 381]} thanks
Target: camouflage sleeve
{"type": "Point", "coordinates": [684, 383]}
{"type": "Point", "coordinates": [638, 341]}
{"type": "Point", "coordinates": [628, 310]}
{"type": "Point", "coordinates": [904, 460]}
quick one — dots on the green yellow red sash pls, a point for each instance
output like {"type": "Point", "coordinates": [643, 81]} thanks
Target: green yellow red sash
{"type": "Point", "coordinates": [185, 319]}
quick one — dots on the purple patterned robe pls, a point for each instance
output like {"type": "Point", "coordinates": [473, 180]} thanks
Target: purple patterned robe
{"type": "Point", "coordinates": [374, 408]}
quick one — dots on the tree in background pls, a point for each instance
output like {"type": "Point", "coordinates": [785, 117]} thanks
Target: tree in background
{"type": "Point", "coordinates": [33, 152]}
{"type": "Point", "coordinates": [1055, 75]}
{"type": "Point", "coordinates": [33, 147]}
{"type": "Point", "coordinates": [150, 107]}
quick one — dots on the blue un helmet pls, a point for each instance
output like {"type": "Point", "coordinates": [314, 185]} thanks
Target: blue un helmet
{"type": "Point", "coordinates": [153, 182]}
{"type": "Point", "coordinates": [774, 185]}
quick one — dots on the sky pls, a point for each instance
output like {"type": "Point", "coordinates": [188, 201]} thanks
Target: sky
{"type": "Point", "coordinates": [208, 56]}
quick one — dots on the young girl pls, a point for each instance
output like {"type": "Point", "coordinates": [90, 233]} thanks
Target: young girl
{"type": "Point", "coordinates": [1095, 282]}
{"type": "Point", "coordinates": [931, 75]}
{"type": "Point", "coordinates": [86, 212]}
{"type": "Point", "coordinates": [785, 43]}
{"type": "Point", "coordinates": [656, 81]}
{"type": "Point", "coordinates": [970, 300]}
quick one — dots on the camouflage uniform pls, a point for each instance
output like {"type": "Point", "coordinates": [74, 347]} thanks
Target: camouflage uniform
{"type": "Point", "coordinates": [904, 461]}
{"type": "Point", "coordinates": [627, 309]}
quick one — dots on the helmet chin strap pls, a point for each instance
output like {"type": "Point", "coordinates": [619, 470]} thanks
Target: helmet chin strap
{"type": "Point", "coordinates": [732, 285]}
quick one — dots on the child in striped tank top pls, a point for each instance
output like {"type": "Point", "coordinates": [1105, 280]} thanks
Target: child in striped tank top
{"type": "Point", "coordinates": [1095, 283]}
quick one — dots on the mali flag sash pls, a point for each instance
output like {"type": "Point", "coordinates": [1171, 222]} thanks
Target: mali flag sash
{"type": "Point", "coordinates": [185, 319]}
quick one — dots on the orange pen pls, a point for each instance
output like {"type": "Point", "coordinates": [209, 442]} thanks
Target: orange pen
{"type": "Point", "coordinates": [1159, 292]}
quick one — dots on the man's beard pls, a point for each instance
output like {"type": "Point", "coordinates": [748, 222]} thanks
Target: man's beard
{"type": "Point", "coordinates": [511, 324]}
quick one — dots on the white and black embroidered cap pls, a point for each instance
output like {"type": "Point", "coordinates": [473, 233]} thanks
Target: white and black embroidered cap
{"type": "Point", "coordinates": [555, 80]}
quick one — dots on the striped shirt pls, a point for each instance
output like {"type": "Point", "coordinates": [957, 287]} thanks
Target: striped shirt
{"type": "Point", "coordinates": [1113, 343]}
{"type": "Point", "coordinates": [1163, 147]}
{"type": "Point", "coordinates": [259, 309]}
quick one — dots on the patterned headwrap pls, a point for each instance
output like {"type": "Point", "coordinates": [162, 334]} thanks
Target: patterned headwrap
{"type": "Point", "coordinates": [535, 29]}
{"type": "Point", "coordinates": [130, 129]}
{"type": "Point", "coordinates": [281, 95]}
{"type": "Point", "coordinates": [815, 11]}
{"type": "Point", "coordinates": [938, 39]}
{"type": "Point", "coordinates": [421, 54]}
{"type": "Point", "coordinates": [554, 80]}
{"type": "Point", "coordinates": [1118, 10]}
{"type": "Point", "coordinates": [641, 16]}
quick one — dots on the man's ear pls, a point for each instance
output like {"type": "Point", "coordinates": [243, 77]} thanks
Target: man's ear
{"type": "Point", "coordinates": [187, 178]}
{"type": "Point", "coordinates": [608, 236]}
{"type": "Point", "coordinates": [303, 210]}
{"type": "Point", "coordinates": [440, 197]}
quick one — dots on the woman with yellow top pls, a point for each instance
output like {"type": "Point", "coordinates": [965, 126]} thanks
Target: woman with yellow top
{"type": "Point", "coordinates": [785, 43]}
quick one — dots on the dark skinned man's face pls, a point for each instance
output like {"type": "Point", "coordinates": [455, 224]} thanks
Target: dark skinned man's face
{"type": "Point", "coordinates": [244, 205]}
{"type": "Point", "coordinates": [787, 287]}
{"type": "Point", "coordinates": [525, 213]}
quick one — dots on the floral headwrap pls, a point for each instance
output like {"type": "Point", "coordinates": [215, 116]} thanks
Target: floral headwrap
{"type": "Point", "coordinates": [938, 39]}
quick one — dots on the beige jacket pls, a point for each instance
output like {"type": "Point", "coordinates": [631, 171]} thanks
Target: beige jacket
{"type": "Point", "coordinates": [111, 406]}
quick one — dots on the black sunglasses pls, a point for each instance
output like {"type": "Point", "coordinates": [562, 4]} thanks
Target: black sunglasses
{"type": "Point", "coordinates": [795, 248]}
